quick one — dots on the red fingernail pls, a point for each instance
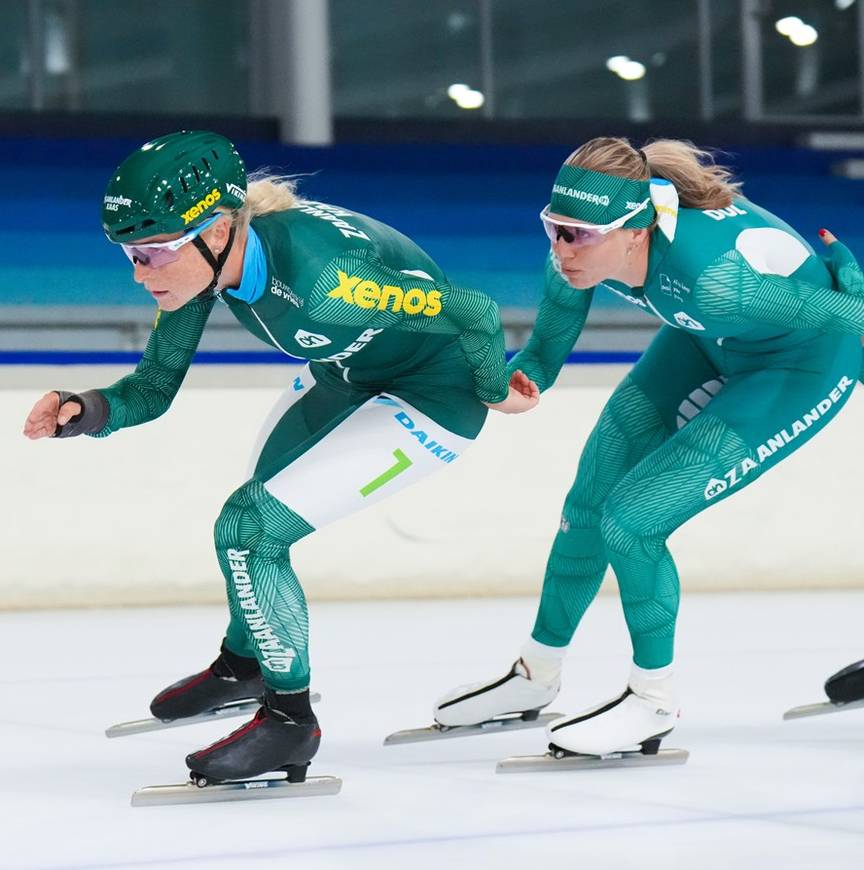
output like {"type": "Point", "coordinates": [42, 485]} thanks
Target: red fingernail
{"type": "Point", "coordinates": [822, 232]}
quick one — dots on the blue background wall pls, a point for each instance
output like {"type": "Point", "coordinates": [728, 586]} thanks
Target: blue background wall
{"type": "Point", "coordinates": [473, 208]}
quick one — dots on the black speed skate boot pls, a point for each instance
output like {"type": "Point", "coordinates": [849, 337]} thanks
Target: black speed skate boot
{"type": "Point", "coordinates": [846, 686]}
{"type": "Point", "coordinates": [284, 735]}
{"type": "Point", "coordinates": [229, 678]}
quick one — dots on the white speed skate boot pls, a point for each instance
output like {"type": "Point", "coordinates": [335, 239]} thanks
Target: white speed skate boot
{"type": "Point", "coordinates": [623, 732]}
{"type": "Point", "coordinates": [510, 702]}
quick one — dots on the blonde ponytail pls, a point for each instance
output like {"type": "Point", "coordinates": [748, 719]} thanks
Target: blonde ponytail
{"type": "Point", "coordinates": [267, 193]}
{"type": "Point", "coordinates": [700, 182]}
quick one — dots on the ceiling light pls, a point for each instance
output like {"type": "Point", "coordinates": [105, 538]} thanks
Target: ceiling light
{"type": "Point", "coordinates": [786, 26]}
{"type": "Point", "coordinates": [804, 35]}
{"type": "Point", "coordinates": [631, 70]}
{"type": "Point", "coordinates": [469, 99]}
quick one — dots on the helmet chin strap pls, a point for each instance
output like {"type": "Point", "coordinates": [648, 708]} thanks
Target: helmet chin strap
{"type": "Point", "coordinates": [215, 263]}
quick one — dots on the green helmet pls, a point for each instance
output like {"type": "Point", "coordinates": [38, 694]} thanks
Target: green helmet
{"type": "Point", "coordinates": [170, 184]}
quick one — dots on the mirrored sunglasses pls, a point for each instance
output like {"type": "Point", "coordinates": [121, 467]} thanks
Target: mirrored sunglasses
{"type": "Point", "coordinates": [156, 254]}
{"type": "Point", "coordinates": [580, 234]}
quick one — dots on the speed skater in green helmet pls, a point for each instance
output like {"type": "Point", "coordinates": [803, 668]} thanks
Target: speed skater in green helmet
{"type": "Point", "coordinates": [174, 186]}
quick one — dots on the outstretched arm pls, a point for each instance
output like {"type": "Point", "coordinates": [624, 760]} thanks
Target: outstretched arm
{"type": "Point", "coordinates": [560, 318]}
{"type": "Point", "coordinates": [140, 396]}
{"type": "Point", "coordinates": [148, 392]}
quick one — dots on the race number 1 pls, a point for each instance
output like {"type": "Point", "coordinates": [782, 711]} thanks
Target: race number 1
{"type": "Point", "coordinates": [402, 462]}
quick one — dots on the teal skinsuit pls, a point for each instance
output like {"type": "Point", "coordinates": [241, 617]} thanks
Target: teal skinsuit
{"type": "Point", "coordinates": [758, 353]}
{"type": "Point", "coordinates": [391, 341]}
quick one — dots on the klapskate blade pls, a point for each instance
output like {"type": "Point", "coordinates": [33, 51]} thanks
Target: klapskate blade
{"type": "Point", "coordinates": [548, 762]}
{"type": "Point", "coordinates": [821, 709]}
{"type": "Point", "coordinates": [253, 789]}
{"type": "Point", "coordinates": [494, 726]}
{"type": "Point", "coordinates": [246, 707]}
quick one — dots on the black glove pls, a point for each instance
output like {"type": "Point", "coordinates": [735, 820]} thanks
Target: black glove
{"type": "Point", "coordinates": [93, 416]}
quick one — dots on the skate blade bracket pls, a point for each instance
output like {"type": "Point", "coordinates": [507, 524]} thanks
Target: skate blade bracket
{"type": "Point", "coordinates": [529, 719]}
{"type": "Point", "coordinates": [241, 790]}
{"type": "Point", "coordinates": [821, 709]}
{"type": "Point", "coordinates": [243, 707]}
{"type": "Point", "coordinates": [560, 760]}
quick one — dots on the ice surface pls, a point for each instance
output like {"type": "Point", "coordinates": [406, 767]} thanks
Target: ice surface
{"type": "Point", "coordinates": [756, 793]}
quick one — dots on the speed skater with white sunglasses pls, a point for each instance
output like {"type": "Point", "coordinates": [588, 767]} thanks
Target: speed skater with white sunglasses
{"type": "Point", "coordinates": [402, 368]}
{"type": "Point", "coordinates": [756, 353]}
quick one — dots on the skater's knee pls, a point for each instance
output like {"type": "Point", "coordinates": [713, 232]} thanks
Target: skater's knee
{"type": "Point", "coordinates": [580, 513]}
{"type": "Point", "coordinates": [579, 529]}
{"type": "Point", "coordinates": [252, 518]}
{"type": "Point", "coordinates": [628, 529]}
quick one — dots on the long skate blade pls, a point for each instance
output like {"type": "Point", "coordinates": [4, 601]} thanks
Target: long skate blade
{"type": "Point", "coordinates": [243, 707]}
{"type": "Point", "coordinates": [822, 709]}
{"type": "Point", "coordinates": [493, 726]}
{"type": "Point", "coordinates": [548, 762]}
{"type": "Point", "coordinates": [253, 789]}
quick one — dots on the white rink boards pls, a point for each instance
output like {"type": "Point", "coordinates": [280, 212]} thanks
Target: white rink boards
{"type": "Point", "coordinates": [153, 493]}
{"type": "Point", "coordinates": [757, 793]}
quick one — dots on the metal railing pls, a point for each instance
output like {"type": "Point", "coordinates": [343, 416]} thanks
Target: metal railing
{"type": "Point", "coordinates": [101, 329]}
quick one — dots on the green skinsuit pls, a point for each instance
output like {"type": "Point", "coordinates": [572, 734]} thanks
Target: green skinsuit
{"type": "Point", "coordinates": [757, 354]}
{"type": "Point", "coordinates": [401, 365]}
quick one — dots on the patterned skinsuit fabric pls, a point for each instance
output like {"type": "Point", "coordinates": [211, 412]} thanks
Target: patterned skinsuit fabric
{"type": "Point", "coordinates": [266, 599]}
{"type": "Point", "coordinates": [147, 393]}
{"type": "Point", "coordinates": [847, 275]}
{"type": "Point", "coordinates": [760, 349]}
{"type": "Point", "coordinates": [338, 293]}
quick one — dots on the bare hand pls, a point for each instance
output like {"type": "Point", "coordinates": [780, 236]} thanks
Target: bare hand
{"type": "Point", "coordinates": [47, 414]}
{"type": "Point", "coordinates": [523, 396]}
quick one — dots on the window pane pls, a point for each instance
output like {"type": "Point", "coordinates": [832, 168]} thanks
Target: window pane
{"type": "Point", "coordinates": [15, 57]}
{"type": "Point", "coordinates": [725, 25]}
{"type": "Point", "coordinates": [397, 59]}
{"type": "Point", "coordinates": [393, 59]}
{"type": "Point", "coordinates": [552, 62]}
{"type": "Point", "coordinates": [155, 57]}
{"type": "Point", "coordinates": [818, 77]}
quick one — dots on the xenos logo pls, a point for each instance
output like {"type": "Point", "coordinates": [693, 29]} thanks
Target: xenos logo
{"type": "Point", "coordinates": [201, 206]}
{"type": "Point", "coordinates": [368, 294]}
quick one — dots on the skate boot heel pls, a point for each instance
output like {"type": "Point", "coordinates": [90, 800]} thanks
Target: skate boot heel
{"type": "Point", "coordinates": [651, 746]}
{"type": "Point", "coordinates": [530, 715]}
{"type": "Point", "coordinates": [296, 772]}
